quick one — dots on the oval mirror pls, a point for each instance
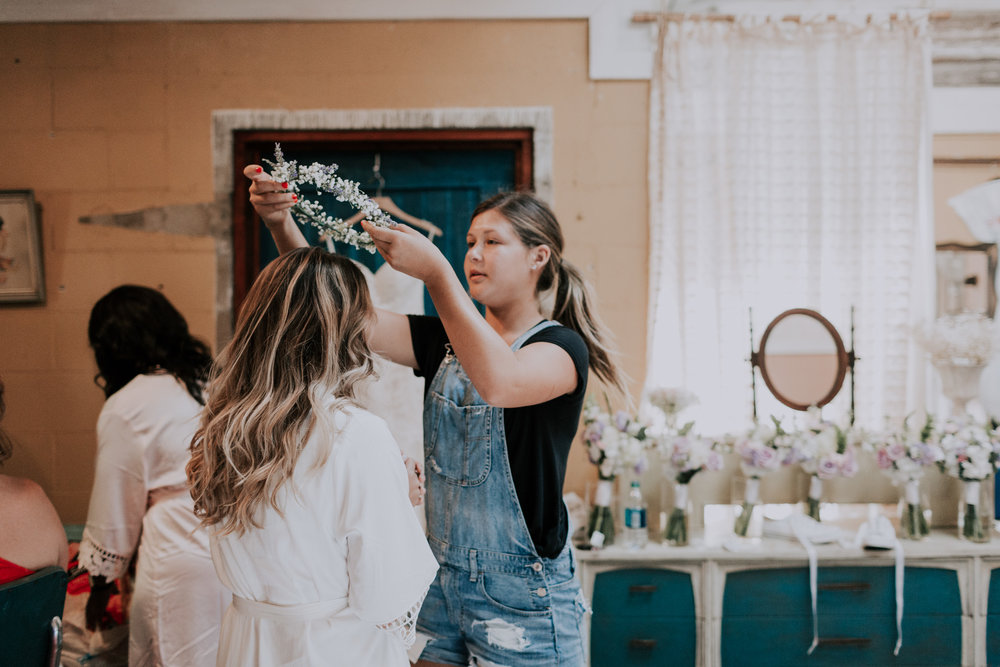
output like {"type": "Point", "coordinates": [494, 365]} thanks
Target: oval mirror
{"type": "Point", "coordinates": [802, 359]}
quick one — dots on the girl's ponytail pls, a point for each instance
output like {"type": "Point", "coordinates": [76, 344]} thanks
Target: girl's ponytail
{"type": "Point", "coordinates": [536, 225]}
{"type": "Point", "coordinates": [573, 308]}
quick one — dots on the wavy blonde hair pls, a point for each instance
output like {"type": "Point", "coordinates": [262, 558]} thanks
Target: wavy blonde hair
{"type": "Point", "coordinates": [298, 354]}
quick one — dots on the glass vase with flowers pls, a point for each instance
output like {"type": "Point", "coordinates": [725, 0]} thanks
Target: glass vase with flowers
{"type": "Point", "coordinates": [762, 450]}
{"type": "Point", "coordinates": [616, 442]}
{"type": "Point", "coordinates": [970, 453]}
{"type": "Point", "coordinates": [904, 455]}
{"type": "Point", "coordinates": [825, 450]}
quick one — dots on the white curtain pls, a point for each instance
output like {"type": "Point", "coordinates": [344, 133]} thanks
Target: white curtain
{"type": "Point", "coordinates": [789, 168]}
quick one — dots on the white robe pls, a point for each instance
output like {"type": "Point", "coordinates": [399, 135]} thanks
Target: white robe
{"type": "Point", "coordinates": [397, 395]}
{"type": "Point", "coordinates": [345, 555]}
{"type": "Point", "coordinates": [144, 433]}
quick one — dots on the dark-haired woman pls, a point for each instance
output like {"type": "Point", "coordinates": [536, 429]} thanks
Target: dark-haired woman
{"type": "Point", "coordinates": [502, 405]}
{"type": "Point", "coordinates": [152, 371]}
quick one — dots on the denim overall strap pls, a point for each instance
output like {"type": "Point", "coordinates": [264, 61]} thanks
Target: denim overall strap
{"type": "Point", "coordinates": [474, 518]}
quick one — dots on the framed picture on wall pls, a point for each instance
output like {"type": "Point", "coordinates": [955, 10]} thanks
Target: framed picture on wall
{"type": "Point", "coordinates": [22, 279]}
{"type": "Point", "coordinates": [966, 278]}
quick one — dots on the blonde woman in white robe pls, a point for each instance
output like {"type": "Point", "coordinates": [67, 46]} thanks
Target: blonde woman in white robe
{"type": "Point", "coordinates": [305, 494]}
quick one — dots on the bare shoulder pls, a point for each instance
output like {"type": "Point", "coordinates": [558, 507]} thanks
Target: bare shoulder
{"type": "Point", "coordinates": [28, 511]}
{"type": "Point", "coordinates": [20, 491]}
{"type": "Point", "coordinates": [27, 498]}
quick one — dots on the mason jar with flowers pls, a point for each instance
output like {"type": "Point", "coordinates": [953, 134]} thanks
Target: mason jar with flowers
{"type": "Point", "coordinates": [904, 455]}
{"type": "Point", "coordinates": [970, 453]}
{"type": "Point", "coordinates": [762, 450]}
{"type": "Point", "coordinates": [615, 443]}
{"type": "Point", "coordinates": [825, 450]}
{"type": "Point", "coordinates": [686, 454]}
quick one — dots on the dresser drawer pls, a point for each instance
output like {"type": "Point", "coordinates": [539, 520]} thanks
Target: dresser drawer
{"type": "Point", "coordinates": [993, 639]}
{"type": "Point", "coordinates": [643, 593]}
{"type": "Point", "coordinates": [774, 641]}
{"type": "Point", "coordinates": [620, 642]}
{"type": "Point", "coordinates": [849, 591]}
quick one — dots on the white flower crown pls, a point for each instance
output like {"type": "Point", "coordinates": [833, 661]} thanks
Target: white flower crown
{"type": "Point", "coordinates": [325, 179]}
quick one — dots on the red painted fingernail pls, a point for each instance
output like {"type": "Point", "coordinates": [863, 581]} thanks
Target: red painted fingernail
{"type": "Point", "coordinates": [259, 169]}
{"type": "Point", "coordinates": [285, 184]}
{"type": "Point", "coordinates": [295, 197]}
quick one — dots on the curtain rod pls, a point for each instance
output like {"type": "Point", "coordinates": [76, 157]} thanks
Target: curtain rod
{"type": "Point", "coordinates": [652, 17]}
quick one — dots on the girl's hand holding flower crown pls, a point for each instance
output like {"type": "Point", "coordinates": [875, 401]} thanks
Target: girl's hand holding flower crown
{"type": "Point", "coordinates": [271, 201]}
{"type": "Point", "coordinates": [409, 251]}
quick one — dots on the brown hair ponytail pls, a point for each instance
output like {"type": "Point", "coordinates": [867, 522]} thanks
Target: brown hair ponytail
{"type": "Point", "coordinates": [536, 225]}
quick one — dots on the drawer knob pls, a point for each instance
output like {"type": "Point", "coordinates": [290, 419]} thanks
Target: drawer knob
{"type": "Point", "coordinates": [641, 589]}
{"type": "Point", "coordinates": [844, 641]}
{"type": "Point", "coordinates": [850, 586]}
{"type": "Point", "coordinates": [636, 644]}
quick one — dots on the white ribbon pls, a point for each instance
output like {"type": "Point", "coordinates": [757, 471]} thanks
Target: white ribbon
{"type": "Point", "coordinates": [900, 570]}
{"type": "Point", "coordinates": [602, 497]}
{"type": "Point", "coordinates": [815, 487]}
{"type": "Point", "coordinates": [680, 495]}
{"type": "Point", "coordinates": [972, 493]}
{"type": "Point", "coordinates": [811, 554]}
{"type": "Point", "coordinates": [897, 550]}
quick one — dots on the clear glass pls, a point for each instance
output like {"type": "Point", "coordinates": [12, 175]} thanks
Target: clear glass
{"type": "Point", "coordinates": [746, 492]}
{"type": "Point", "coordinates": [975, 511]}
{"type": "Point", "coordinates": [914, 512]}
{"type": "Point", "coordinates": [814, 497]}
{"type": "Point", "coordinates": [601, 525]}
{"type": "Point", "coordinates": [677, 525]}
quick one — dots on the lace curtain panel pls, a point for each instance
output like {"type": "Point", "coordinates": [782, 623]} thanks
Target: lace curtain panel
{"type": "Point", "coordinates": [789, 167]}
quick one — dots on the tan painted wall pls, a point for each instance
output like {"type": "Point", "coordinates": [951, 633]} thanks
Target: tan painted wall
{"type": "Point", "coordinates": [106, 118]}
{"type": "Point", "coordinates": [111, 118]}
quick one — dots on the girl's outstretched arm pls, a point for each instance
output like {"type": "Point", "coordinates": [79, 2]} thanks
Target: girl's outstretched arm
{"type": "Point", "coordinates": [504, 378]}
{"type": "Point", "coordinates": [390, 336]}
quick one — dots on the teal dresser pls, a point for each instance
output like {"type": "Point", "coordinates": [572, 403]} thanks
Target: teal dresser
{"type": "Point", "coordinates": [709, 606]}
{"type": "Point", "coordinates": [643, 616]}
{"type": "Point", "coordinates": [767, 617]}
{"type": "Point", "coordinates": [993, 617]}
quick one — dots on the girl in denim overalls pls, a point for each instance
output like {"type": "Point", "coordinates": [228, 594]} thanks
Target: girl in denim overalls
{"type": "Point", "coordinates": [506, 592]}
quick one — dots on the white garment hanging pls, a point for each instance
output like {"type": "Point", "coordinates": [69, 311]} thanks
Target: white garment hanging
{"type": "Point", "coordinates": [397, 395]}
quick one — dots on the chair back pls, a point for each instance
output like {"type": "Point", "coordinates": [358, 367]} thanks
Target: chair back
{"type": "Point", "coordinates": [31, 611]}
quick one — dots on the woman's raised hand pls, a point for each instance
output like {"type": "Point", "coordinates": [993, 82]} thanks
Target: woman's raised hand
{"type": "Point", "coordinates": [408, 250]}
{"type": "Point", "coordinates": [268, 197]}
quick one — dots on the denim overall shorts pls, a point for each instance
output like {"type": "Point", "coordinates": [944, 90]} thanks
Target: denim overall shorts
{"type": "Point", "coordinates": [494, 601]}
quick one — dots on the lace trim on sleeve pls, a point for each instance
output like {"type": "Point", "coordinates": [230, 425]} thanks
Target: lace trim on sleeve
{"type": "Point", "coordinates": [101, 562]}
{"type": "Point", "coordinates": [405, 627]}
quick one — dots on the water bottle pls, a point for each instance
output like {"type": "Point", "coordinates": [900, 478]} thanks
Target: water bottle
{"type": "Point", "coordinates": [636, 534]}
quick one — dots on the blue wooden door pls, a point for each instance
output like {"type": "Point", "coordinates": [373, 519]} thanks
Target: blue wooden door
{"type": "Point", "coordinates": [440, 185]}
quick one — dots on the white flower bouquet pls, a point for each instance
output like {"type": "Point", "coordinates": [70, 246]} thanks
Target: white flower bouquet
{"type": "Point", "coordinates": [615, 442]}
{"type": "Point", "coordinates": [962, 340]}
{"type": "Point", "coordinates": [970, 454]}
{"type": "Point", "coordinates": [762, 450]}
{"type": "Point", "coordinates": [904, 456]}
{"type": "Point", "coordinates": [825, 450]}
{"type": "Point", "coordinates": [686, 454]}
{"type": "Point", "coordinates": [671, 401]}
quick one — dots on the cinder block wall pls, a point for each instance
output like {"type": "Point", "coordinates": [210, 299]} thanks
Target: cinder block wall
{"type": "Point", "coordinates": [112, 118]}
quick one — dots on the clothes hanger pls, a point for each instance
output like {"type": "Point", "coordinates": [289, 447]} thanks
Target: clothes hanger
{"type": "Point", "coordinates": [386, 204]}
